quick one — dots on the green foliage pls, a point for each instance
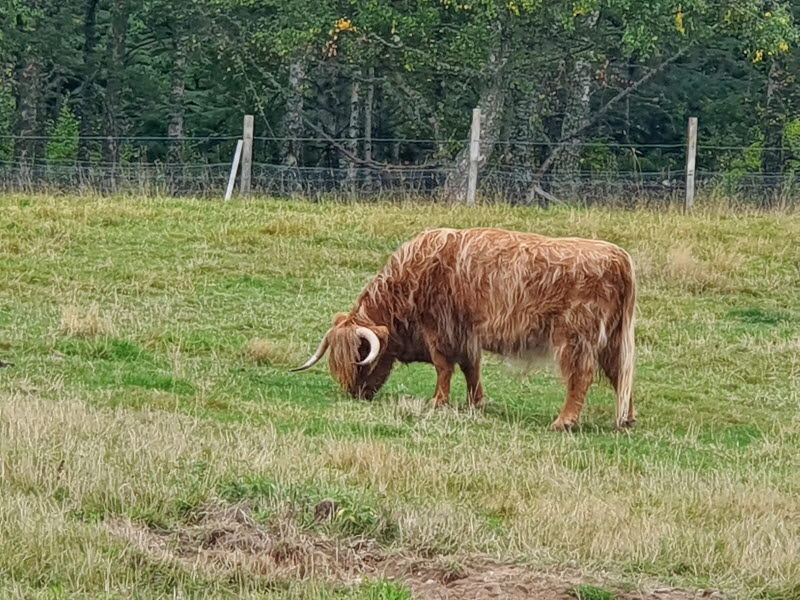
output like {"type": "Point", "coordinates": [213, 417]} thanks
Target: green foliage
{"type": "Point", "coordinates": [741, 162]}
{"type": "Point", "coordinates": [791, 139]}
{"type": "Point", "coordinates": [763, 33]}
{"type": "Point", "coordinates": [63, 144]}
{"type": "Point", "coordinates": [6, 118]}
{"type": "Point", "coordinates": [379, 589]}
{"type": "Point", "coordinates": [108, 349]}
{"type": "Point", "coordinates": [598, 157]}
{"type": "Point", "coordinates": [590, 592]}
{"type": "Point", "coordinates": [384, 590]}
{"type": "Point", "coordinates": [432, 62]}
{"type": "Point", "coordinates": [355, 512]}
{"type": "Point", "coordinates": [791, 136]}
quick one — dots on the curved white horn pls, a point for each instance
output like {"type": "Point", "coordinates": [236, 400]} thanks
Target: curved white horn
{"type": "Point", "coordinates": [374, 344]}
{"type": "Point", "coordinates": [321, 349]}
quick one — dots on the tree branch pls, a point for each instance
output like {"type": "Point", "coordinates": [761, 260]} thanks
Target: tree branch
{"type": "Point", "coordinates": [535, 187]}
{"type": "Point", "coordinates": [570, 135]}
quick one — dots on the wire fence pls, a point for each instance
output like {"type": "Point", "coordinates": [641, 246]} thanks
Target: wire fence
{"type": "Point", "coordinates": [601, 172]}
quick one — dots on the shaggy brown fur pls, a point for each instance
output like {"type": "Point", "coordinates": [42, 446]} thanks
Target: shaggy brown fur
{"type": "Point", "coordinates": [449, 294]}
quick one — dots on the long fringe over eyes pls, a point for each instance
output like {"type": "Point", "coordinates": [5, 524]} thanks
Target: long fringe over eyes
{"type": "Point", "coordinates": [344, 354]}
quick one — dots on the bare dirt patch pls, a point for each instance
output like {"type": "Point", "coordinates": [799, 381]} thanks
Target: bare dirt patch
{"type": "Point", "coordinates": [222, 540]}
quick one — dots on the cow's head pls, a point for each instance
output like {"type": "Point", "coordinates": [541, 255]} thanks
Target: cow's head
{"type": "Point", "coordinates": [358, 358]}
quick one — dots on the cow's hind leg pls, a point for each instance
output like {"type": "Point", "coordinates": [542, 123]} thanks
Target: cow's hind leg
{"type": "Point", "coordinates": [577, 367]}
{"type": "Point", "coordinates": [472, 373]}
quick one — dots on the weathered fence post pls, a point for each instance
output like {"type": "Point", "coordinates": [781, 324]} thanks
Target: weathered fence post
{"type": "Point", "coordinates": [474, 156]}
{"type": "Point", "coordinates": [691, 154]}
{"type": "Point", "coordinates": [247, 155]}
{"type": "Point", "coordinates": [234, 168]}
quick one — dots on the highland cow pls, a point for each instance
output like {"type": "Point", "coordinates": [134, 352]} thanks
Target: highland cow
{"type": "Point", "coordinates": [447, 295]}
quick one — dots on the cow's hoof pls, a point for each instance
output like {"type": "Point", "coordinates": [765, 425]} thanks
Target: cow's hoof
{"type": "Point", "coordinates": [478, 404]}
{"type": "Point", "coordinates": [438, 402]}
{"type": "Point", "coordinates": [629, 424]}
{"type": "Point", "coordinates": [563, 424]}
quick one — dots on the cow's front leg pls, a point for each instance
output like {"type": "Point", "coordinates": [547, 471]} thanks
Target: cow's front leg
{"type": "Point", "coordinates": [444, 372]}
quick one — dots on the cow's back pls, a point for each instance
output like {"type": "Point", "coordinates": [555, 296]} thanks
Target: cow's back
{"type": "Point", "coordinates": [516, 287]}
{"type": "Point", "coordinates": [508, 288]}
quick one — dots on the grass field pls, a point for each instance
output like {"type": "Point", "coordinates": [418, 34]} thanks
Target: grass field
{"type": "Point", "coordinates": [153, 444]}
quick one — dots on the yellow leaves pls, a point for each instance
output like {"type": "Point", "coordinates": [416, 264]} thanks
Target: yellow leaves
{"type": "Point", "coordinates": [456, 5]}
{"type": "Point", "coordinates": [679, 21]}
{"type": "Point", "coordinates": [760, 54]}
{"type": "Point", "coordinates": [584, 7]}
{"type": "Point", "coordinates": [341, 25]}
{"type": "Point", "coordinates": [345, 25]}
{"type": "Point", "coordinates": [512, 6]}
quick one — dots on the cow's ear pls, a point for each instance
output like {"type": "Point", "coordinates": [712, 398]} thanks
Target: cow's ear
{"type": "Point", "coordinates": [338, 318]}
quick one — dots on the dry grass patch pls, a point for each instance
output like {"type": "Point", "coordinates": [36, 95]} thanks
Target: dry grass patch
{"type": "Point", "coordinates": [374, 463]}
{"type": "Point", "coordinates": [226, 541]}
{"type": "Point", "coordinates": [85, 322]}
{"type": "Point", "coordinates": [222, 540]}
{"type": "Point", "coordinates": [683, 265]}
{"type": "Point", "coordinates": [121, 463]}
{"type": "Point", "coordinates": [268, 352]}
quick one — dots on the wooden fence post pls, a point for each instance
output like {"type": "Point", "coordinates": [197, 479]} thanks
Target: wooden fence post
{"type": "Point", "coordinates": [691, 154]}
{"type": "Point", "coordinates": [234, 168]}
{"type": "Point", "coordinates": [474, 156]}
{"type": "Point", "coordinates": [247, 155]}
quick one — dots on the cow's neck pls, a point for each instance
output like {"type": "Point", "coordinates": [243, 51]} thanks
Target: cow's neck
{"type": "Point", "coordinates": [368, 313]}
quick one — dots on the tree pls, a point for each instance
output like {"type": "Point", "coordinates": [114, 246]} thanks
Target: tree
{"type": "Point", "coordinates": [558, 84]}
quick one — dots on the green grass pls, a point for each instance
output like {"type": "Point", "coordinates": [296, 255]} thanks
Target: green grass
{"type": "Point", "coordinates": [152, 338]}
{"type": "Point", "coordinates": [590, 592]}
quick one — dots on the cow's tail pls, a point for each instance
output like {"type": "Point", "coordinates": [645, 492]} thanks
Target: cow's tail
{"type": "Point", "coordinates": [625, 346]}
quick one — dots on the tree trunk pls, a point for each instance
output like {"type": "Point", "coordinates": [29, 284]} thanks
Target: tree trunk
{"type": "Point", "coordinates": [28, 90]}
{"type": "Point", "coordinates": [177, 110]}
{"type": "Point", "coordinates": [293, 125]}
{"type": "Point", "coordinates": [87, 105]}
{"type": "Point", "coordinates": [774, 117]}
{"type": "Point", "coordinates": [177, 102]}
{"type": "Point", "coordinates": [369, 107]}
{"type": "Point", "coordinates": [117, 44]}
{"type": "Point", "coordinates": [491, 104]}
{"type": "Point", "coordinates": [577, 110]}
{"type": "Point", "coordinates": [353, 130]}
{"type": "Point", "coordinates": [526, 124]}
{"type": "Point", "coordinates": [576, 115]}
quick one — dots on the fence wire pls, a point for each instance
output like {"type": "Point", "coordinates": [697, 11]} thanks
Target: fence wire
{"type": "Point", "coordinates": [626, 173]}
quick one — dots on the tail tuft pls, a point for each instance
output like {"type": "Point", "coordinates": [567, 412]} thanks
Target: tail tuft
{"type": "Point", "coordinates": [626, 350]}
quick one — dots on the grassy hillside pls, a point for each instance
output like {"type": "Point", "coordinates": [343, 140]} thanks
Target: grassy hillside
{"type": "Point", "coordinates": [152, 441]}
